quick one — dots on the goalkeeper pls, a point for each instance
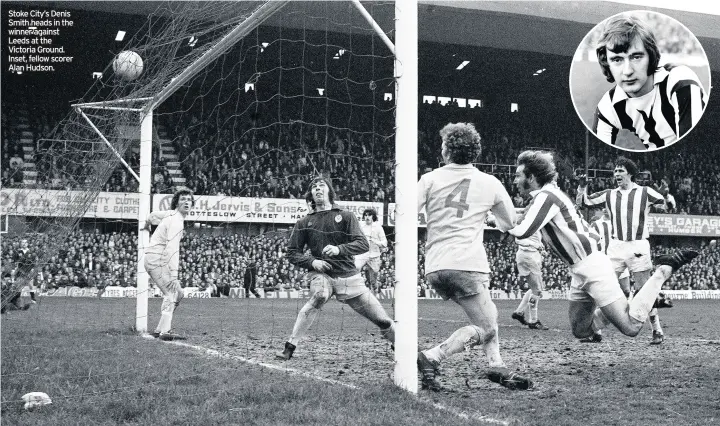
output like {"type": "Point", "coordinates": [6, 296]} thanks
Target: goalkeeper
{"type": "Point", "coordinates": [162, 257]}
{"type": "Point", "coordinates": [334, 237]}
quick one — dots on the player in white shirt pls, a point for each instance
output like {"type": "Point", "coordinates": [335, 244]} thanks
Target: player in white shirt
{"type": "Point", "coordinates": [529, 264]}
{"type": "Point", "coordinates": [375, 235]}
{"type": "Point", "coordinates": [457, 198]}
{"type": "Point", "coordinates": [162, 257]}
{"type": "Point", "coordinates": [595, 295]}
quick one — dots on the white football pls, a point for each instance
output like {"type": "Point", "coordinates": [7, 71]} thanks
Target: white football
{"type": "Point", "coordinates": [128, 65]}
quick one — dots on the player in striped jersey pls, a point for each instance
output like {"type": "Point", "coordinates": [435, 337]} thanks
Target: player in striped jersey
{"type": "Point", "coordinates": [659, 104]}
{"type": "Point", "coordinates": [603, 227]}
{"type": "Point", "coordinates": [629, 206]}
{"type": "Point", "coordinates": [593, 284]}
{"type": "Point", "coordinates": [457, 198]}
{"type": "Point", "coordinates": [529, 264]}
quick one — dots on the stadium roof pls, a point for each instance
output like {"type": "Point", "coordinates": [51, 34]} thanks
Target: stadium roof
{"type": "Point", "coordinates": [482, 32]}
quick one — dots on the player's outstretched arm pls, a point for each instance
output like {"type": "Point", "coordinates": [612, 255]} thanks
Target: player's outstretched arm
{"type": "Point", "coordinates": [540, 211]}
{"type": "Point", "coordinates": [594, 199]}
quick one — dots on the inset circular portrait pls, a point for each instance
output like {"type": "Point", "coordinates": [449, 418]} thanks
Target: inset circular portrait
{"type": "Point", "coordinates": [640, 81]}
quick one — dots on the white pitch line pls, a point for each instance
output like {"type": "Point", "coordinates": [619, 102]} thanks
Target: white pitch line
{"type": "Point", "coordinates": [212, 352]}
{"type": "Point", "coordinates": [275, 367]}
{"type": "Point", "coordinates": [466, 322]}
{"type": "Point", "coordinates": [464, 414]}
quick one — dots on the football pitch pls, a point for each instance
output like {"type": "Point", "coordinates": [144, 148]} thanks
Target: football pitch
{"type": "Point", "coordinates": [82, 353]}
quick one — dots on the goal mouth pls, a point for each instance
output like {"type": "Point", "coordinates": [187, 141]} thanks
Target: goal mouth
{"type": "Point", "coordinates": [244, 104]}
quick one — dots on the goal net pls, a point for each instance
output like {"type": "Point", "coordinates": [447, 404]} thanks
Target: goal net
{"type": "Point", "coordinates": [249, 101]}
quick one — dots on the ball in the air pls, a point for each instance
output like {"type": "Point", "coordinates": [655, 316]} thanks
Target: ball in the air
{"type": "Point", "coordinates": [128, 65]}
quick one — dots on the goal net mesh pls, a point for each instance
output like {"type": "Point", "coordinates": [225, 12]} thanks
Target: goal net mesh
{"type": "Point", "coordinates": [309, 92]}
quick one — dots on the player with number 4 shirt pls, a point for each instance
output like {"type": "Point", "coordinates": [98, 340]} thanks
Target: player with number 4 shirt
{"type": "Point", "coordinates": [457, 198]}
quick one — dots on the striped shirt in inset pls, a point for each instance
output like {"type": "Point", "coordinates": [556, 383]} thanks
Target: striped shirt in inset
{"type": "Point", "coordinates": [660, 117]}
{"type": "Point", "coordinates": [562, 228]}
{"type": "Point", "coordinates": [629, 209]}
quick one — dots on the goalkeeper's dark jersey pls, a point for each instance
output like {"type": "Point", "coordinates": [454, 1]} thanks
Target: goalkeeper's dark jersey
{"type": "Point", "coordinates": [660, 117]}
{"type": "Point", "coordinates": [330, 227]}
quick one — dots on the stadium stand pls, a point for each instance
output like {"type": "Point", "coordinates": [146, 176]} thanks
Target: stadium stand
{"type": "Point", "coordinates": [219, 261]}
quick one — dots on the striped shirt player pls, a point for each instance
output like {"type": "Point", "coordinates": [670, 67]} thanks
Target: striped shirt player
{"type": "Point", "coordinates": [593, 284]}
{"type": "Point", "coordinates": [603, 228]}
{"type": "Point", "coordinates": [562, 228]}
{"type": "Point", "coordinates": [629, 217]}
{"type": "Point", "coordinates": [628, 209]}
{"type": "Point", "coordinates": [457, 198]}
{"type": "Point", "coordinates": [659, 117]}
{"type": "Point", "coordinates": [569, 236]}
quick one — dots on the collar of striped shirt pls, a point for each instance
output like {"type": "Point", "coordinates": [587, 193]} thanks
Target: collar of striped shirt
{"type": "Point", "coordinates": [632, 185]}
{"type": "Point", "coordinates": [660, 75]}
{"type": "Point", "coordinates": [550, 185]}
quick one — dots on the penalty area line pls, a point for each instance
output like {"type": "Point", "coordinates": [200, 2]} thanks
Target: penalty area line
{"type": "Point", "coordinates": [294, 372]}
{"type": "Point", "coordinates": [463, 414]}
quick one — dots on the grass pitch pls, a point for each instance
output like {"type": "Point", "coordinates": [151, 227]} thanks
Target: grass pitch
{"type": "Point", "coordinates": [81, 352]}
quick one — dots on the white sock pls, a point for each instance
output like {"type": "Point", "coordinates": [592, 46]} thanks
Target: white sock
{"type": "Point", "coordinates": [304, 320]}
{"type": "Point", "coordinates": [167, 308]}
{"type": "Point", "coordinates": [644, 299]}
{"type": "Point", "coordinates": [533, 308]}
{"type": "Point", "coordinates": [165, 323]}
{"type": "Point", "coordinates": [524, 302]}
{"type": "Point", "coordinates": [461, 340]}
{"type": "Point", "coordinates": [655, 321]}
{"type": "Point", "coordinates": [599, 322]}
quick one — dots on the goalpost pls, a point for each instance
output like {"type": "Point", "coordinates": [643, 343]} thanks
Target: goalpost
{"type": "Point", "coordinates": [405, 52]}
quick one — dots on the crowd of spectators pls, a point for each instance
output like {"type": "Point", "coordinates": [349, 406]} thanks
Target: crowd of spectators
{"type": "Point", "coordinates": [271, 154]}
{"type": "Point", "coordinates": [690, 167]}
{"type": "Point", "coordinates": [219, 262]}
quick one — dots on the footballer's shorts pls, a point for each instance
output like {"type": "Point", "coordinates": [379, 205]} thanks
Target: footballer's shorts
{"type": "Point", "coordinates": [373, 263]}
{"type": "Point", "coordinates": [161, 274]}
{"type": "Point", "coordinates": [633, 255]}
{"type": "Point", "coordinates": [454, 284]}
{"type": "Point", "coordinates": [529, 262]}
{"type": "Point", "coordinates": [343, 288]}
{"type": "Point", "coordinates": [593, 280]}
